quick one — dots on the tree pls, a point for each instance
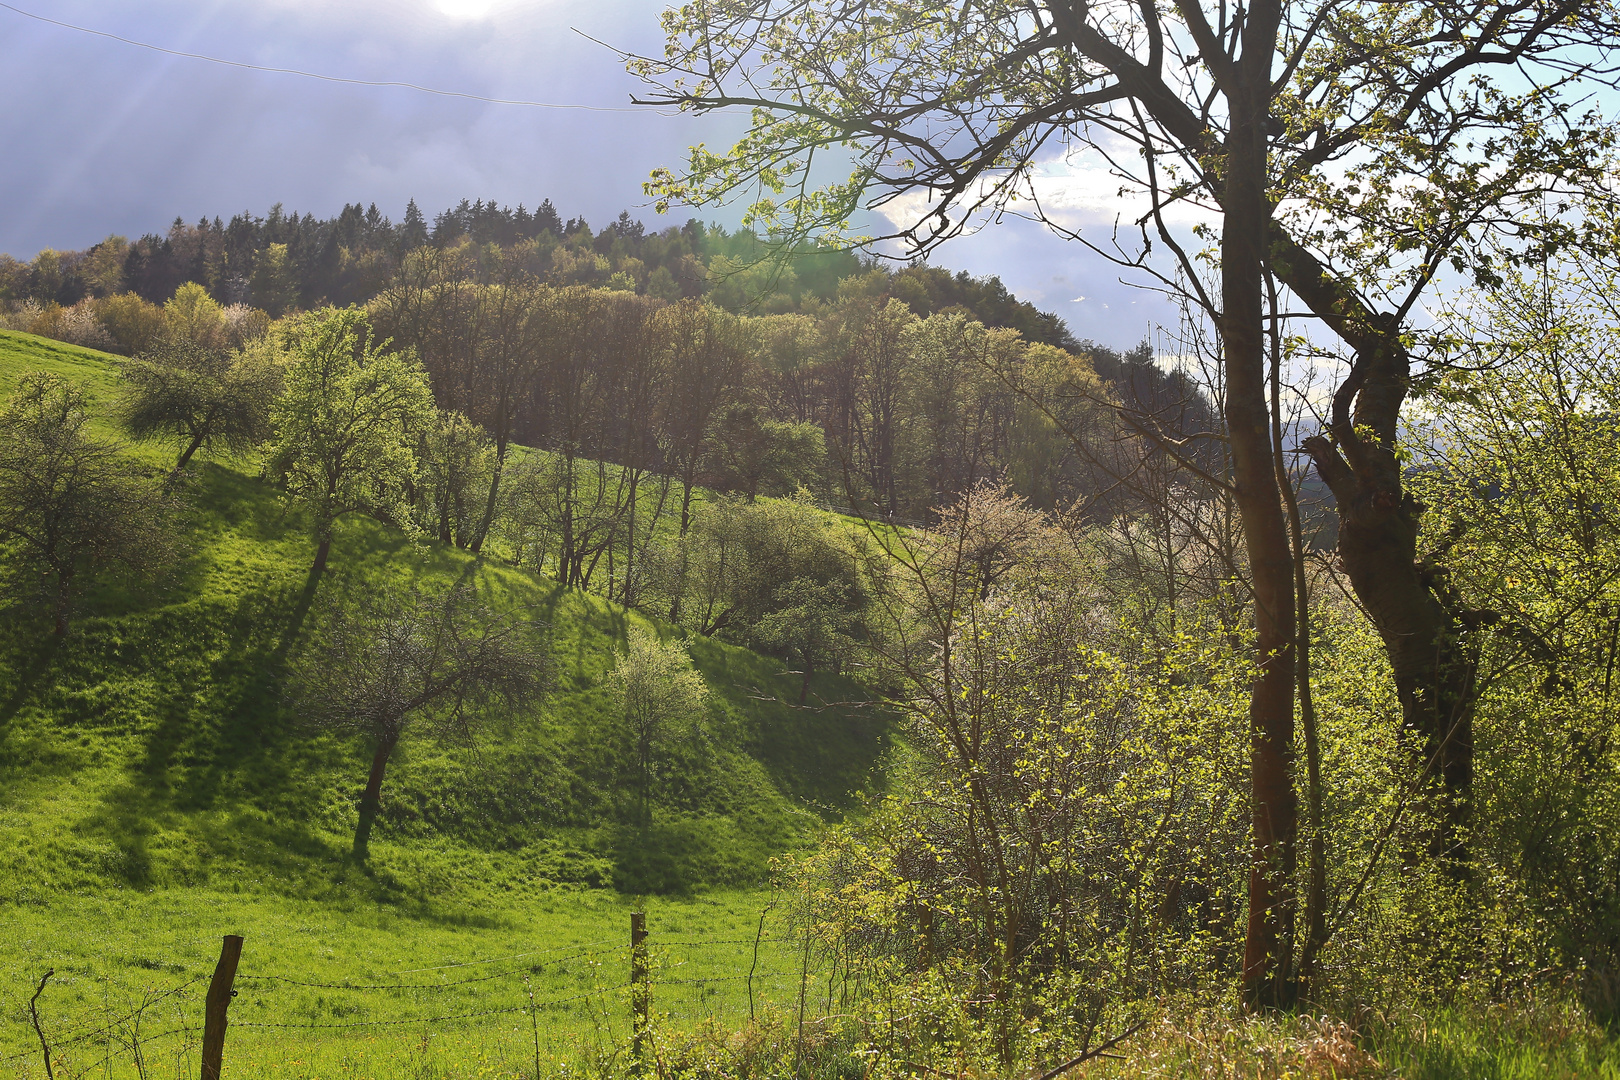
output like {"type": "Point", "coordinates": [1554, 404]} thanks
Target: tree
{"type": "Point", "coordinates": [1350, 150]}
{"type": "Point", "coordinates": [707, 358]}
{"type": "Point", "coordinates": [478, 339]}
{"type": "Point", "coordinates": [275, 280]}
{"type": "Point", "coordinates": [135, 324]}
{"type": "Point", "coordinates": [344, 427]}
{"type": "Point", "coordinates": [200, 398]}
{"type": "Point", "coordinates": [753, 452]}
{"type": "Point", "coordinates": [195, 317]}
{"type": "Point", "coordinates": [413, 232]}
{"type": "Point", "coordinates": [403, 657]}
{"type": "Point", "coordinates": [70, 504]}
{"type": "Point", "coordinates": [659, 695]}
{"type": "Point", "coordinates": [457, 466]}
{"type": "Point", "coordinates": [780, 577]}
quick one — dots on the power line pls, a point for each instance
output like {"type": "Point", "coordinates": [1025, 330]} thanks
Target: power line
{"type": "Point", "coordinates": [312, 74]}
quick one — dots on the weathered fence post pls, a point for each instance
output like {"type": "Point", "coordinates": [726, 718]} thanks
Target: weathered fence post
{"type": "Point", "coordinates": [640, 992]}
{"type": "Point", "coordinates": [219, 1000]}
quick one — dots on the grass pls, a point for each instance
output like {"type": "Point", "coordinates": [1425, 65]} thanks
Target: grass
{"type": "Point", "coordinates": [114, 954]}
{"type": "Point", "coordinates": [1545, 1039]}
{"type": "Point", "coordinates": [154, 794]}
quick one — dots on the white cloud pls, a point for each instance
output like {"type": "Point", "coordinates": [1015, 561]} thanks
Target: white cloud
{"type": "Point", "coordinates": [1079, 191]}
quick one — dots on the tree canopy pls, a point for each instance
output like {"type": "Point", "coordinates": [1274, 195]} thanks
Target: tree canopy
{"type": "Point", "coordinates": [1350, 152]}
{"type": "Point", "coordinates": [344, 424]}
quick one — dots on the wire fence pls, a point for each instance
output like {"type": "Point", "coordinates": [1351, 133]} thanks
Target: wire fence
{"type": "Point", "coordinates": [538, 1007]}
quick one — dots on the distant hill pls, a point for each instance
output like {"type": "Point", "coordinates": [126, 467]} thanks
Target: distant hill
{"type": "Point", "coordinates": [283, 259]}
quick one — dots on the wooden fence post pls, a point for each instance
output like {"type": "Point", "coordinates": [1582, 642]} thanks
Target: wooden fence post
{"type": "Point", "coordinates": [640, 993]}
{"type": "Point", "coordinates": [219, 999]}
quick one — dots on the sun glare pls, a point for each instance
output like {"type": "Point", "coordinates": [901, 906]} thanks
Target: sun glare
{"type": "Point", "coordinates": [465, 9]}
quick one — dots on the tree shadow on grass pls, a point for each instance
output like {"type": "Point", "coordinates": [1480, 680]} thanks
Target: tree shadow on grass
{"type": "Point", "coordinates": [823, 752]}
{"type": "Point", "coordinates": [218, 739]}
{"type": "Point", "coordinates": [30, 661]}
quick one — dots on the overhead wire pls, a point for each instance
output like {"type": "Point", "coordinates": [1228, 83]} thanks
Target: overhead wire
{"type": "Point", "coordinates": [316, 75]}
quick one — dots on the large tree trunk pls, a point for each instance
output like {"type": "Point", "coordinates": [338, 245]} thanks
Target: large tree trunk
{"type": "Point", "coordinates": [1268, 944]}
{"type": "Point", "coordinates": [371, 798]}
{"type": "Point", "coordinates": [1433, 665]}
{"type": "Point", "coordinates": [1424, 637]}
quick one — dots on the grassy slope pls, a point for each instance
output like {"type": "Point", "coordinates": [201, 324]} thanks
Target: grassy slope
{"type": "Point", "coordinates": [148, 751]}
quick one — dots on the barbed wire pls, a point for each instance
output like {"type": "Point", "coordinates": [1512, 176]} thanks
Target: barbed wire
{"type": "Point", "coordinates": [555, 963]}
{"type": "Point", "coordinates": [513, 956]}
{"type": "Point", "coordinates": [73, 1040]}
{"type": "Point", "coordinates": [722, 941]}
{"type": "Point", "coordinates": [439, 1019]}
{"type": "Point", "coordinates": [728, 978]}
{"type": "Point", "coordinates": [127, 1048]}
{"type": "Point", "coordinates": [528, 970]}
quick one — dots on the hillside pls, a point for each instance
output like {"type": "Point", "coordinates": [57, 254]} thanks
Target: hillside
{"type": "Point", "coordinates": [150, 749]}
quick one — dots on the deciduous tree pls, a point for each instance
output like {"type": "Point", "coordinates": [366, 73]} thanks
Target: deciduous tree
{"type": "Point", "coordinates": [661, 698]}
{"type": "Point", "coordinates": [344, 427]}
{"type": "Point", "coordinates": [200, 398]}
{"type": "Point", "coordinates": [1352, 149]}
{"type": "Point", "coordinates": [69, 503]}
{"type": "Point", "coordinates": [399, 658]}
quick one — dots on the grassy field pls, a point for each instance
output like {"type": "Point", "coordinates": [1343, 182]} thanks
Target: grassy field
{"type": "Point", "coordinates": [394, 992]}
{"type": "Point", "coordinates": [154, 795]}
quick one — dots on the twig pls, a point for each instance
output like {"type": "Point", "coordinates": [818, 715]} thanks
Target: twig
{"type": "Point", "coordinates": [1053, 1073]}
{"type": "Point", "coordinates": [33, 1014]}
{"type": "Point", "coordinates": [752, 967]}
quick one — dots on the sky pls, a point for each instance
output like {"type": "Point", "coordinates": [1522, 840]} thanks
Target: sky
{"type": "Point", "coordinates": [102, 137]}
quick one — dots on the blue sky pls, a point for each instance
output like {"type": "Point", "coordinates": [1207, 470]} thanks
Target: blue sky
{"type": "Point", "coordinates": [104, 137]}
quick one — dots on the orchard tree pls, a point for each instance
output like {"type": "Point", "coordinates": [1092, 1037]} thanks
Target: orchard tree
{"type": "Point", "coordinates": [457, 466]}
{"type": "Point", "coordinates": [1351, 151]}
{"type": "Point", "coordinates": [345, 427]}
{"type": "Point", "coordinates": [70, 504]}
{"type": "Point", "coordinates": [200, 398]}
{"type": "Point", "coordinates": [660, 697]}
{"type": "Point", "coordinates": [444, 659]}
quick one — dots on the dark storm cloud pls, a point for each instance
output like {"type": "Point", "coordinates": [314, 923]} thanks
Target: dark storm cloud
{"type": "Point", "coordinates": [102, 137]}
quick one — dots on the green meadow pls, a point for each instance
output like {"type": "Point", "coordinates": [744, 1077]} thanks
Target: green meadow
{"type": "Point", "coordinates": [155, 794]}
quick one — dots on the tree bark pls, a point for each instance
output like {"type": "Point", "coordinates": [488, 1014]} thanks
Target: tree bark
{"type": "Point", "coordinates": [1316, 883]}
{"type": "Point", "coordinates": [322, 550]}
{"type": "Point", "coordinates": [1424, 636]}
{"type": "Point", "coordinates": [64, 603]}
{"type": "Point", "coordinates": [1268, 943]}
{"type": "Point", "coordinates": [490, 504]}
{"type": "Point", "coordinates": [1425, 641]}
{"type": "Point", "coordinates": [371, 798]}
{"type": "Point", "coordinates": [185, 456]}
